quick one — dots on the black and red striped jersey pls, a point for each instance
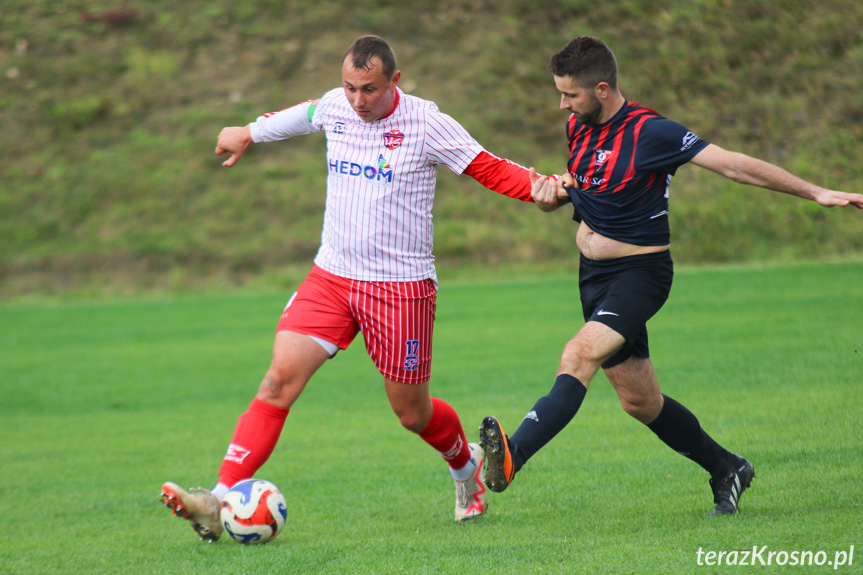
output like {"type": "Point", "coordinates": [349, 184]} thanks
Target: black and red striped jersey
{"type": "Point", "coordinates": [622, 170]}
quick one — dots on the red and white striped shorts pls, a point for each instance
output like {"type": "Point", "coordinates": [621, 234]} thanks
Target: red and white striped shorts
{"type": "Point", "coordinates": [395, 318]}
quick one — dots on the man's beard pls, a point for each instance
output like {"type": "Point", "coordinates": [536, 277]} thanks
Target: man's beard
{"type": "Point", "coordinates": [592, 115]}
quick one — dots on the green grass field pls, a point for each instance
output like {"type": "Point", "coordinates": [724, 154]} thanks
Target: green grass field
{"type": "Point", "coordinates": [102, 401]}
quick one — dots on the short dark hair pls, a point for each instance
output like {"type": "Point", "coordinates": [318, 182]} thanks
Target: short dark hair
{"type": "Point", "coordinates": [588, 61]}
{"type": "Point", "coordinates": [366, 48]}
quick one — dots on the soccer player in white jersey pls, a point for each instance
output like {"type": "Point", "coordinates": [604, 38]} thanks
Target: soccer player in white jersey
{"type": "Point", "coordinates": [374, 273]}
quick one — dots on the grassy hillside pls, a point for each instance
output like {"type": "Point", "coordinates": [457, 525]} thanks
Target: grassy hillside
{"type": "Point", "coordinates": [110, 111]}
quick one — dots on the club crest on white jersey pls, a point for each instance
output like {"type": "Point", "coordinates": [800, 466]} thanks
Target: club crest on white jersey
{"type": "Point", "coordinates": [393, 139]}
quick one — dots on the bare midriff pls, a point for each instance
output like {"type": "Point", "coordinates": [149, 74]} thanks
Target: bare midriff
{"type": "Point", "coordinates": [596, 246]}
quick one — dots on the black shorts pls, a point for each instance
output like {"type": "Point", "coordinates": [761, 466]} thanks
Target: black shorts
{"type": "Point", "coordinates": [623, 294]}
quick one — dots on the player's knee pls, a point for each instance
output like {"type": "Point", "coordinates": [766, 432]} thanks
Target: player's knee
{"type": "Point", "coordinates": [275, 386]}
{"type": "Point", "coordinates": [412, 419]}
{"type": "Point", "coordinates": [634, 409]}
{"type": "Point", "coordinates": [644, 409]}
{"type": "Point", "coordinates": [578, 355]}
{"type": "Point", "coordinates": [411, 422]}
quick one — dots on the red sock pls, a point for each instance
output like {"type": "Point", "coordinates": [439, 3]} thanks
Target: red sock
{"type": "Point", "coordinates": [445, 434]}
{"type": "Point", "coordinates": [255, 437]}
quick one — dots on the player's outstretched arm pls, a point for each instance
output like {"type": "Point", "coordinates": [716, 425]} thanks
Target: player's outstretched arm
{"type": "Point", "coordinates": [748, 170]}
{"type": "Point", "coordinates": [233, 141]}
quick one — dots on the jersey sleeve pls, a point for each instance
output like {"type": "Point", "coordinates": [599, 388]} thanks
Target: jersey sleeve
{"type": "Point", "coordinates": [284, 124]}
{"type": "Point", "coordinates": [501, 176]}
{"type": "Point", "coordinates": [448, 143]}
{"type": "Point", "coordinates": [665, 145]}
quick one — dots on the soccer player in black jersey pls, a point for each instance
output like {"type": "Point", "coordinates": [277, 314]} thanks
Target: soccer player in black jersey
{"type": "Point", "coordinates": [622, 158]}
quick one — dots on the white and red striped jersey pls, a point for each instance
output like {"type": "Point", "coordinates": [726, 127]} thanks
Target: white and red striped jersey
{"type": "Point", "coordinates": [381, 184]}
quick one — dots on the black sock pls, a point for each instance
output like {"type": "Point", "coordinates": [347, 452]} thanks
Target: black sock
{"type": "Point", "coordinates": [680, 430]}
{"type": "Point", "coordinates": [549, 415]}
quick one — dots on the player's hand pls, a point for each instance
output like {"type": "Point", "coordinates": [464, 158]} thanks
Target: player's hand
{"type": "Point", "coordinates": [233, 141]}
{"type": "Point", "coordinates": [544, 191]}
{"type": "Point", "coordinates": [830, 198]}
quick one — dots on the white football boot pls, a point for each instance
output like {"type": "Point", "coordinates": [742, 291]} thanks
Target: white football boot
{"type": "Point", "coordinates": [470, 496]}
{"type": "Point", "coordinates": [197, 505]}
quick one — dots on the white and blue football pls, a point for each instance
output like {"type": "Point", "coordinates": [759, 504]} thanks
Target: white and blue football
{"type": "Point", "coordinates": [254, 511]}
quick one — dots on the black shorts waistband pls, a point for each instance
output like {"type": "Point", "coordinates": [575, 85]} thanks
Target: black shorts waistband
{"type": "Point", "coordinates": [662, 256]}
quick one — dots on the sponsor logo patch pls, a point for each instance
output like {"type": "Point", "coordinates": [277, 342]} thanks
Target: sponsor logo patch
{"type": "Point", "coordinates": [379, 174]}
{"type": "Point", "coordinates": [236, 453]}
{"type": "Point", "coordinates": [689, 140]}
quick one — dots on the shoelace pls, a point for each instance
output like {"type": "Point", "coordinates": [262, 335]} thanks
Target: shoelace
{"type": "Point", "coordinates": [461, 493]}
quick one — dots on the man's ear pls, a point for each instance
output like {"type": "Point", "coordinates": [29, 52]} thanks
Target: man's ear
{"type": "Point", "coordinates": [602, 90]}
